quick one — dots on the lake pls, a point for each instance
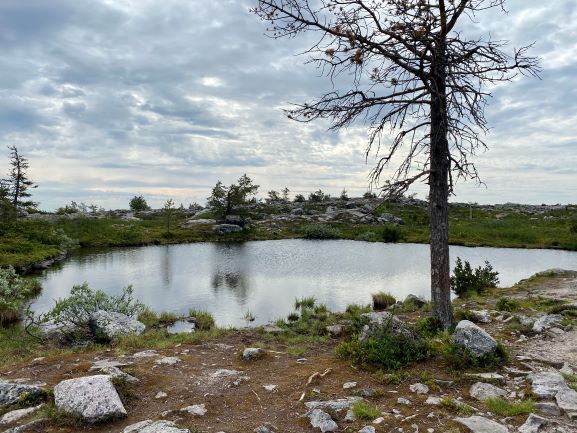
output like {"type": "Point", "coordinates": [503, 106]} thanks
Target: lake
{"type": "Point", "coordinates": [264, 278]}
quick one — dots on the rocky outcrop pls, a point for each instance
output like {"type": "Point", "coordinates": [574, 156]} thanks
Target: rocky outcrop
{"type": "Point", "coordinates": [94, 398]}
{"type": "Point", "coordinates": [385, 321]}
{"type": "Point", "coordinates": [333, 405]}
{"type": "Point", "coordinates": [108, 325]}
{"type": "Point", "coordinates": [11, 392]}
{"type": "Point", "coordinates": [474, 338]}
{"type": "Point", "coordinates": [546, 322]}
{"type": "Point", "coordinates": [224, 229]}
{"type": "Point", "coordinates": [479, 424]}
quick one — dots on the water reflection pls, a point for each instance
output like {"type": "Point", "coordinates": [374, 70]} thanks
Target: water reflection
{"type": "Point", "coordinates": [266, 277]}
{"type": "Point", "coordinates": [231, 269]}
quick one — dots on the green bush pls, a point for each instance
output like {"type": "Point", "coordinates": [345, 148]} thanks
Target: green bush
{"type": "Point", "coordinates": [507, 304]}
{"type": "Point", "coordinates": [75, 310]}
{"type": "Point", "coordinates": [311, 319]}
{"type": "Point", "coordinates": [391, 234]}
{"type": "Point", "coordinates": [466, 280]}
{"type": "Point", "coordinates": [203, 320]}
{"type": "Point", "coordinates": [459, 358]}
{"type": "Point", "coordinates": [320, 231]}
{"type": "Point", "coordinates": [383, 300]}
{"type": "Point", "coordinates": [385, 350]}
{"type": "Point", "coordinates": [14, 291]}
{"type": "Point", "coordinates": [429, 327]}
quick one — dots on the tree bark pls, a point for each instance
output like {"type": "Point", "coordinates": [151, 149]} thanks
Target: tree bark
{"type": "Point", "coordinates": [439, 195]}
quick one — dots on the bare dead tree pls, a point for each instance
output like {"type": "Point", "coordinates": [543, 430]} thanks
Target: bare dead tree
{"type": "Point", "coordinates": [417, 82]}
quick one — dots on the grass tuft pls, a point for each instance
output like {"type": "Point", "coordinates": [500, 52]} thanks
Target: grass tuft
{"type": "Point", "coordinates": [366, 411]}
{"type": "Point", "coordinates": [383, 300]}
{"type": "Point", "coordinates": [502, 407]}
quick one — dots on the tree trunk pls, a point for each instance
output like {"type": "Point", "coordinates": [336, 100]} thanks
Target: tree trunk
{"type": "Point", "coordinates": [439, 197]}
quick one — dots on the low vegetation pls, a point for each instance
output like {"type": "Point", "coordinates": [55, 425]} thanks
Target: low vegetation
{"type": "Point", "coordinates": [14, 292]}
{"type": "Point", "coordinates": [320, 231]}
{"type": "Point", "coordinates": [466, 280]}
{"type": "Point", "coordinates": [383, 300]}
{"type": "Point", "coordinates": [459, 358]}
{"type": "Point", "coordinates": [502, 407]}
{"type": "Point", "coordinates": [365, 411]}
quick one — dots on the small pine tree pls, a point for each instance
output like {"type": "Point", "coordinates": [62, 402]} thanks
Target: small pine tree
{"type": "Point", "coordinates": [168, 212]}
{"type": "Point", "coordinates": [285, 194]}
{"type": "Point", "coordinates": [138, 204]}
{"type": "Point", "coordinates": [18, 182]}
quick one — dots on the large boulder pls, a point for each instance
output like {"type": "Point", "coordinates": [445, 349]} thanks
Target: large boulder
{"type": "Point", "coordinates": [10, 392]}
{"type": "Point", "coordinates": [379, 321]}
{"type": "Point", "coordinates": [474, 339]}
{"type": "Point", "coordinates": [109, 325]}
{"type": "Point", "coordinates": [94, 398]}
{"type": "Point", "coordinates": [547, 384]}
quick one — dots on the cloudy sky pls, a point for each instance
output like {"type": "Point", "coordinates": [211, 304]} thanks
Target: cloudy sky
{"type": "Point", "coordinates": [112, 98]}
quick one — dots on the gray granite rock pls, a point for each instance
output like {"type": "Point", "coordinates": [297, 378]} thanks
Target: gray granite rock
{"type": "Point", "coordinates": [334, 405]}
{"type": "Point", "coordinates": [367, 429]}
{"type": "Point", "coordinates": [117, 372]}
{"type": "Point", "coordinates": [479, 424]}
{"type": "Point", "coordinates": [474, 338]}
{"type": "Point", "coordinates": [334, 330]}
{"type": "Point", "coordinates": [10, 392]}
{"type": "Point", "coordinates": [419, 388]}
{"type": "Point", "coordinates": [384, 320]}
{"type": "Point", "coordinates": [322, 421]}
{"type": "Point", "coordinates": [548, 408]}
{"type": "Point", "coordinates": [546, 322]}
{"type": "Point", "coordinates": [16, 415]}
{"type": "Point", "coordinates": [223, 229]}
{"type": "Point", "coordinates": [533, 424]}
{"type": "Point", "coordinates": [109, 325]}
{"type": "Point", "coordinates": [546, 384]}
{"type": "Point", "coordinates": [567, 399]}
{"type": "Point", "coordinates": [150, 426]}
{"type": "Point", "coordinates": [92, 397]}
{"type": "Point", "coordinates": [252, 353]}
{"type": "Point", "coordinates": [196, 410]}
{"type": "Point", "coordinates": [484, 391]}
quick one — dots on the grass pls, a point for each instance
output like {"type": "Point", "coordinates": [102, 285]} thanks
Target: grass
{"type": "Point", "coordinates": [203, 320]}
{"type": "Point", "coordinates": [507, 304]}
{"type": "Point", "coordinates": [383, 300]}
{"type": "Point", "coordinates": [365, 411]}
{"type": "Point", "coordinates": [306, 302]}
{"type": "Point", "coordinates": [502, 407]}
{"type": "Point", "coordinates": [456, 406]}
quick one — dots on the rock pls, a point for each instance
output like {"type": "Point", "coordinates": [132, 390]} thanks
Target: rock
{"type": "Point", "coordinates": [92, 397]}
{"type": "Point", "coordinates": [101, 364]}
{"type": "Point", "coordinates": [29, 426]}
{"type": "Point", "coordinates": [481, 316]}
{"type": "Point", "coordinates": [223, 229]}
{"type": "Point", "coordinates": [16, 415]}
{"type": "Point", "coordinates": [567, 399]}
{"type": "Point", "coordinates": [235, 220]}
{"type": "Point", "coordinates": [252, 353]}
{"type": "Point", "coordinates": [161, 394]}
{"type": "Point", "coordinates": [263, 429]}
{"type": "Point", "coordinates": [415, 300]}
{"type": "Point", "coordinates": [433, 401]}
{"type": "Point", "coordinates": [367, 429]}
{"type": "Point", "coordinates": [350, 416]}
{"type": "Point", "coordinates": [548, 408]}
{"type": "Point", "coordinates": [546, 384]}
{"type": "Point", "coordinates": [334, 330]}
{"type": "Point", "coordinates": [167, 360]}
{"type": "Point", "coordinates": [533, 424]}
{"type": "Point", "coordinates": [567, 369]}
{"type": "Point", "coordinates": [146, 354]}
{"type": "Point", "coordinates": [150, 426]}
{"type": "Point", "coordinates": [419, 388]}
{"type": "Point", "coordinates": [484, 391]}
{"type": "Point", "coordinates": [322, 421]}
{"type": "Point", "coordinates": [273, 329]}
{"type": "Point", "coordinates": [390, 219]}
{"type": "Point", "coordinates": [474, 339]}
{"type": "Point", "coordinates": [385, 320]}
{"type": "Point", "coordinates": [297, 212]}
{"type": "Point", "coordinates": [109, 325]}
{"type": "Point", "coordinates": [333, 405]}
{"type": "Point", "coordinates": [196, 222]}
{"type": "Point", "coordinates": [349, 385]}
{"type": "Point", "coordinates": [479, 424]}
{"type": "Point", "coordinates": [546, 322]}
{"type": "Point", "coordinates": [11, 392]}
{"type": "Point", "coordinates": [492, 377]}
{"type": "Point", "coordinates": [117, 372]}
{"type": "Point", "coordinates": [196, 410]}
{"type": "Point", "coordinates": [402, 400]}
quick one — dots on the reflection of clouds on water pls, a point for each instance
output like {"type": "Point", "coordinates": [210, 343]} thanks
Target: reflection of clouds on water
{"type": "Point", "coordinates": [231, 269]}
{"type": "Point", "coordinates": [266, 277]}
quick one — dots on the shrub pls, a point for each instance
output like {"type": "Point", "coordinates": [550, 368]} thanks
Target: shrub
{"type": "Point", "coordinates": [203, 320]}
{"type": "Point", "coordinates": [312, 319]}
{"type": "Point", "coordinates": [318, 196]}
{"type": "Point", "coordinates": [14, 291]}
{"type": "Point", "coordinates": [391, 234]}
{"type": "Point", "coordinates": [385, 349]}
{"type": "Point", "coordinates": [429, 327]}
{"type": "Point", "coordinates": [138, 203]}
{"type": "Point", "coordinates": [366, 411]}
{"type": "Point", "coordinates": [75, 310]}
{"type": "Point", "coordinates": [299, 198]}
{"type": "Point", "coordinates": [459, 358]}
{"type": "Point", "coordinates": [506, 304]}
{"type": "Point", "coordinates": [383, 300]}
{"type": "Point", "coordinates": [466, 280]}
{"type": "Point", "coordinates": [306, 302]}
{"type": "Point", "coordinates": [320, 231]}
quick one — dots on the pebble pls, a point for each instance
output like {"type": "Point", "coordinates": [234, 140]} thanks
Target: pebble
{"type": "Point", "coordinates": [402, 400]}
{"type": "Point", "coordinates": [161, 394]}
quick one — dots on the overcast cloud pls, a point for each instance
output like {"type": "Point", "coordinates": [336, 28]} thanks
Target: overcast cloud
{"type": "Point", "coordinates": [112, 98]}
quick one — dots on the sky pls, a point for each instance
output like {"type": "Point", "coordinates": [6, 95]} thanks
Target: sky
{"type": "Point", "coordinates": [114, 98]}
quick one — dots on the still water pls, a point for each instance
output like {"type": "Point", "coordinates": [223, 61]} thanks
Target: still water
{"type": "Point", "coordinates": [264, 278]}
